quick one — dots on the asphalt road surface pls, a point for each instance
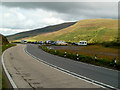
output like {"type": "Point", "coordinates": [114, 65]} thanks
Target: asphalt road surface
{"type": "Point", "coordinates": [28, 72]}
{"type": "Point", "coordinates": [106, 76]}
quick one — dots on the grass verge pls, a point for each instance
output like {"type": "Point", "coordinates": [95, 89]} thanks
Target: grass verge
{"type": "Point", "coordinates": [82, 58]}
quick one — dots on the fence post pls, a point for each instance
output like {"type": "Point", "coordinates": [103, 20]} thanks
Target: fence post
{"type": "Point", "coordinates": [95, 57]}
{"type": "Point", "coordinates": [65, 54]}
{"type": "Point", "coordinates": [115, 62]}
{"type": "Point", "coordinates": [77, 56]}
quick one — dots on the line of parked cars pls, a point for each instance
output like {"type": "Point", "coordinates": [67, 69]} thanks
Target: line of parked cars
{"type": "Point", "coordinates": [50, 42]}
{"type": "Point", "coordinates": [55, 42]}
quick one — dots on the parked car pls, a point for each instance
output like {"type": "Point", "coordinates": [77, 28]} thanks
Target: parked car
{"type": "Point", "coordinates": [82, 43]}
{"type": "Point", "coordinates": [23, 41]}
{"type": "Point", "coordinates": [41, 42]}
{"type": "Point", "coordinates": [48, 42]}
{"type": "Point", "coordinates": [53, 42]}
{"type": "Point", "coordinates": [69, 43]}
{"type": "Point", "coordinates": [74, 43]}
{"type": "Point", "coordinates": [61, 43]}
{"type": "Point", "coordinates": [36, 42]}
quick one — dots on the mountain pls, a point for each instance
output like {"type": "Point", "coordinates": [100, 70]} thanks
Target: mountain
{"type": "Point", "coordinates": [91, 30]}
{"type": "Point", "coordinates": [3, 40]}
{"type": "Point", "coordinates": [35, 32]}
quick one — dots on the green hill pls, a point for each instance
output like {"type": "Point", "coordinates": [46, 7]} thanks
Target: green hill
{"type": "Point", "coordinates": [91, 30]}
{"type": "Point", "coordinates": [39, 31]}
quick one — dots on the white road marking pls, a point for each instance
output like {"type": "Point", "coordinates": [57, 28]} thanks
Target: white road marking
{"type": "Point", "coordinates": [57, 68]}
{"type": "Point", "coordinates": [72, 73]}
{"type": "Point", "coordinates": [8, 75]}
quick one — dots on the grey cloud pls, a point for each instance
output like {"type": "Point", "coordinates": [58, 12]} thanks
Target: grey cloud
{"type": "Point", "coordinates": [39, 14]}
{"type": "Point", "coordinates": [72, 8]}
{"type": "Point", "coordinates": [54, 6]}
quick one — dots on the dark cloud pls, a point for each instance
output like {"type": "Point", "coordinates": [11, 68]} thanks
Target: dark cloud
{"type": "Point", "coordinates": [74, 9]}
{"type": "Point", "coordinates": [29, 15]}
{"type": "Point", "coordinates": [63, 7]}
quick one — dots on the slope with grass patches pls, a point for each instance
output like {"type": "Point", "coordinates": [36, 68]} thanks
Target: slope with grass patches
{"type": "Point", "coordinates": [91, 30]}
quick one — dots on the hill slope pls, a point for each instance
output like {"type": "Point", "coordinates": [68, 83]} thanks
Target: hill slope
{"type": "Point", "coordinates": [39, 31]}
{"type": "Point", "coordinates": [3, 40]}
{"type": "Point", "coordinates": [91, 30]}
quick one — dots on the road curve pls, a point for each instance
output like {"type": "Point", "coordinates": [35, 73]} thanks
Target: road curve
{"type": "Point", "coordinates": [28, 72]}
{"type": "Point", "coordinates": [103, 75]}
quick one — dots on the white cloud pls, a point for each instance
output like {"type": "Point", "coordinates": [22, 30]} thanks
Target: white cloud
{"type": "Point", "coordinates": [17, 17]}
{"type": "Point", "coordinates": [53, 20]}
{"type": "Point", "coordinates": [23, 18]}
{"type": "Point", "coordinates": [5, 31]}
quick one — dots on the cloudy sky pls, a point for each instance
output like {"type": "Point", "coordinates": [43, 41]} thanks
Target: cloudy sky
{"type": "Point", "coordinates": [22, 16]}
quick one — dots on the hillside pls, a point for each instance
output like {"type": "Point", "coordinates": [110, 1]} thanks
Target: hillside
{"type": "Point", "coordinates": [91, 30]}
{"type": "Point", "coordinates": [39, 31]}
{"type": "Point", "coordinates": [3, 40]}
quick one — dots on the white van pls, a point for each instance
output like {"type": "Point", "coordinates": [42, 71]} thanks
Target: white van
{"type": "Point", "coordinates": [82, 43]}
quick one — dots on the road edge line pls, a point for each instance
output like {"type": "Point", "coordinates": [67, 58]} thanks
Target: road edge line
{"type": "Point", "coordinates": [8, 75]}
{"type": "Point", "coordinates": [72, 73]}
{"type": "Point", "coordinates": [95, 65]}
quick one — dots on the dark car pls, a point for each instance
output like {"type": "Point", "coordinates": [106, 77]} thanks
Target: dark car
{"type": "Point", "coordinates": [41, 42]}
{"type": "Point", "coordinates": [53, 43]}
{"type": "Point", "coordinates": [74, 43]}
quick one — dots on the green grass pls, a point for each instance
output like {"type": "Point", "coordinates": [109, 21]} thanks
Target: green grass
{"type": "Point", "coordinates": [4, 47]}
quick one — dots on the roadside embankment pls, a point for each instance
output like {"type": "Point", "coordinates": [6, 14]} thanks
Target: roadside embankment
{"type": "Point", "coordinates": [83, 58]}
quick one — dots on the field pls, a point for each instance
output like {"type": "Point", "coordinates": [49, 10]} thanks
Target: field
{"type": "Point", "coordinates": [93, 54]}
{"type": "Point", "coordinates": [92, 50]}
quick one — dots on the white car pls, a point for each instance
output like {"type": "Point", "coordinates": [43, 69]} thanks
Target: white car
{"type": "Point", "coordinates": [84, 43]}
{"type": "Point", "coordinates": [61, 43]}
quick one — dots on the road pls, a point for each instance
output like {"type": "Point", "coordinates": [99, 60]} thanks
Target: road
{"type": "Point", "coordinates": [28, 72]}
{"type": "Point", "coordinates": [103, 75]}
